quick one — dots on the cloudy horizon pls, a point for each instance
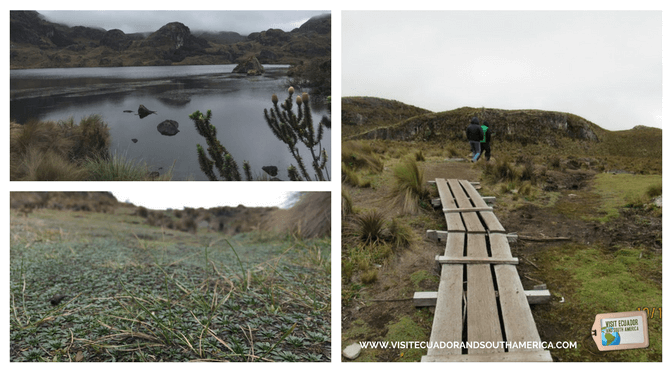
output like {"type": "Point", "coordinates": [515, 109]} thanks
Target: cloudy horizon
{"type": "Point", "coordinates": [139, 21]}
{"type": "Point", "coordinates": [605, 66]}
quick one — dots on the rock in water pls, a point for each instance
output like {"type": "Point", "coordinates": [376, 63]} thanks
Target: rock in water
{"type": "Point", "coordinates": [135, 140]}
{"type": "Point", "coordinates": [250, 67]}
{"type": "Point", "coordinates": [143, 111]}
{"type": "Point", "coordinates": [168, 127]}
{"type": "Point", "coordinates": [272, 170]}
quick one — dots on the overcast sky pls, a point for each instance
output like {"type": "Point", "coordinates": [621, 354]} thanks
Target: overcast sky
{"type": "Point", "coordinates": [130, 21]}
{"type": "Point", "coordinates": [603, 66]}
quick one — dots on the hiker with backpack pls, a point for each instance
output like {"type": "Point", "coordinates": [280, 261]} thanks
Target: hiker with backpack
{"type": "Point", "coordinates": [475, 135]}
{"type": "Point", "coordinates": [485, 142]}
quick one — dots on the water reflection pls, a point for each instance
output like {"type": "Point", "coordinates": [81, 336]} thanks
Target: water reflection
{"type": "Point", "coordinates": [237, 103]}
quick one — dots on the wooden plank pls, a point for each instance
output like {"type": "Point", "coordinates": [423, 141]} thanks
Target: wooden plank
{"type": "Point", "coordinates": [424, 299]}
{"type": "Point", "coordinates": [499, 246]}
{"type": "Point", "coordinates": [455, 245]}
{"type": "Point", "coordinates": [454, 222]}
{"type": "Point", "coordinates": [472, 223]}
{"type": "Point", "coordinates": [491, 222]}
{"type": "Point", "coordinates": [447, 324]}
{"type": "Point", "coordinates": [482, 315]}
{"type": "Point", "coordinates": [534, 296]}
{"type": "Point", "coordinates": [461, 198]}
{"type": "Point", "coordinates": [476, 260]}
{"type": "Point", "coordinates": [519, 324]}
{"type": "Point", "coordinates": [472, 209]}
{"type": "Point", "coordinates": [475, 197]}
{"type": "Point", "coordinates": [529, 356]}
{"type": "Point", "coordinates": [537, 296]}
{"type": "Point", "coordinates": [444, 194]}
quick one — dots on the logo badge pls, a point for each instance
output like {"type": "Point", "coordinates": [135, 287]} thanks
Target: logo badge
{"type": "Point", "coordinates": [620, 331]}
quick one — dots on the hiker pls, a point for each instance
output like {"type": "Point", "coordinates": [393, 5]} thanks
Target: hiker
{"type": "Point", "coordinates": [475, 135]}
{"type": "Point", "coordinates": [485, 142]}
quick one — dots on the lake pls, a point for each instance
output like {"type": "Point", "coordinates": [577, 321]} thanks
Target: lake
{"type": "Point", "coordinates": [237, 103]}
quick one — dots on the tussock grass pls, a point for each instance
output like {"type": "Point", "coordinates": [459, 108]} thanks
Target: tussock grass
{"type": "Point", "coordinates": [69, 151]}
{"type": "Point", "coordinates": [119, 168]}
{"type": "Point", "coordinates": [409, 186]}
{"type": "Point", "coordinates": [370, 226]}
{"type": "Point", "coordinates": [45, 165]}
{"type": "Point", "coordinates": [360, 155]}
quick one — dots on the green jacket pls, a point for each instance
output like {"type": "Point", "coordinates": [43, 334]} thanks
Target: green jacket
{"type": "Point", "coordinates": [486, 134]}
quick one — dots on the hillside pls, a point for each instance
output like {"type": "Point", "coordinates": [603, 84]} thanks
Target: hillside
{"type": "Point", "coordinates": [37, 43]}
{"type": "Point", "coordinates": [309, 218]}
{"type": "Point", "coordinates": [373, 118]}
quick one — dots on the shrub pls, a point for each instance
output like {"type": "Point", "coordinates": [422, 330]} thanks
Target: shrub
{"type": "Point", "coordinates": [142, 212]}
{"type": "Point", "coordinates": [654, 190]}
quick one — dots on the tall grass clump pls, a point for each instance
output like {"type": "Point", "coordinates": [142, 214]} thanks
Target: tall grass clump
{"type": "Point", "coordinates": [501, 171]}
{"type": "Point", "coordinates": [359, 155]}
{"type": "Point", "coordinates": [119, 168]}
{"type": "Point", "coordinates": [371, 227]}
{"type": "Point", "coordinates": [56, 151]}
{"type": "Point", "coordinates": [409, 186]}
{"type": "Point", "coordinates": [49, 165]}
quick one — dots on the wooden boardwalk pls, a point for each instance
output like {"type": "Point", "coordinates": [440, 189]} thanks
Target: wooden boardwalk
{"type": "Point", "coordinates": [481, 303]}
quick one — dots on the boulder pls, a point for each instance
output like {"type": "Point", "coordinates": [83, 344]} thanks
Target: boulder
{"type": "Point", "coordinates": [272, 170]}
{"type": "Point", "coordinates": [143, 111]}
{"type": "Point", "coordinates": [251, 66]}
{"type": "Point", "coordinates": [168, 127]}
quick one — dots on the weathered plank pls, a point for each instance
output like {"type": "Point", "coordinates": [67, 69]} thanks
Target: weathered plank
{"type": "Point", "coordinates": [529, 356]}
{"type": "Point", "coordinates": [472, 223]}
{"type": "Point", "coordinates": [444, 193]}
{"type": "Point", "coordinates": [461, 198]}
{"type": "Point", "coordinates": [516, 314]}
{"type": "Point", "coordinates": [499, 246]}
{"type": "Point", "coordinates": [476, 260]}
{"type": "Point", "coordinates": [491, 222]}
{"type": "Point", "coordinates": [472, 209]}
{"type": "Point", "coordinates": [447, 324]}
{"type": "Point", "coordinates": [473, 194]}
{"type": "Point", "coordinates": [425, 299]}
{"type": "Point", "coordinates": [534, 296]}
{"type": "Point", "coordinates": [482, 316]}
{"type": "Point", "coordinates": [453, 222]}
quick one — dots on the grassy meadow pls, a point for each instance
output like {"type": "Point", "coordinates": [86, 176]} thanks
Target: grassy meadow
{"type": "Point", "coordinates": [135, 292]}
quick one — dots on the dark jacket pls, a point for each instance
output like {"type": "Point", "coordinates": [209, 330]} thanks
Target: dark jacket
{"type": "Point", "coordinates": [474, 132]}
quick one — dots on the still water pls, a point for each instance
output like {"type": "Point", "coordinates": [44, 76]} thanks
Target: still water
{"type": "Point", "coordinates": [237, 102]}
